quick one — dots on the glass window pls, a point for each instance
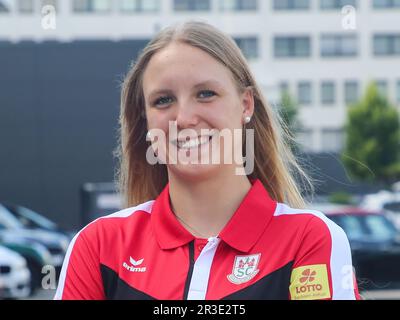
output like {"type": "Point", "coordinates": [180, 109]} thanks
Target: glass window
{"type": "Point", "coordinates": [238, 5]}
{"type": "Point", "coordinates": [283, 87]}
{"type": "Point", "coordinates": [333, 45]}
{"type": "Point", "coordinates": [332, 140]}
{"type": "Point", "coordinates": [292, 46]}
{"type": "Point", "coordinates": [382, 87]}
{"type": "Point", "coordinates": [7, 219]}
{"type": "Point", "coordinates": [398, 91]}
{"type": "Point", "coordinates": [387, 44]}
{"type": "Point", "coordinates": [192, 5]}
{"type": "Point", "coordinates": [379, 228]}
{"type": "Point", "coordinates": [351, 91]}
{"type": "Point", "coordinates": [291, 4]}
{"type": "Point", "coordinates": [328, 92]}
{"type": "Point", "coordinates": [304, 91]}
{"type": "Point", "coordinates": [366, 227]}
{"type": "Point", "coordinates": [25, 6]}
{"type": "Point", "coordinates": [4, 7]}
{"type": "Point", "coordinates": [304, 138]}
{"type": "Point", "coordinates": [352, 226]}
{"type": "Point", "coordinates": [92, 5]}
{"type": "Point", "coordinates": [336, 4]}
{"type": "Point", "coordinates": [140, 5]}
{"type": "Point", "coordinates": [53, 3]}
{"type": "Point", "coordinates": [379, 4]}
{"type": "Point", "coordinates": [249, 46]}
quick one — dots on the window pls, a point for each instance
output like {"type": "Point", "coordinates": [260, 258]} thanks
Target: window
{"type": "Point", "coordinates": [304, 92]}
{"type": "Point", "coordinates": [398, 91]}
{"type": "Point", "coordinates": [140, 5]}
{"type": "Point", "coordinates": [192, 5]}
{"type": "Point", "coordinates": [351, 91]}
{"type": "Point", "coordinates": [51, 3]}
{"type": "Point", "coordinates": [387, 44]}
{"type": "Point", "coordinates": [4, 7]}
{"type": "Point", "coordinates": [25, 6]}
{"type": "Point", "coordinates": [379, 4]}
{"type": "Point", "coordinates": [332, 140]}
{"type": "Point", "coordinates": [328, 93]}
{"type": "Point", "coordinates": [249, 47]}
{"type": "Point", "coordinates": [292, 46]}
{"type": "Point", "coordinates": [382, 87]}
{"type": "Point", "coordinates": [337, 4]}
{"type": "Point", "coordinates": [92, 5]}
{"type": "Point", "coordinates": [238, 5]}
{"type": "Point", "coordinates": [304, 137]}
{"type": "Point", "coordinates": [291, 4]}
{"type": "Point", "coordinates": [283, 87]}
{"type": "Point", "coordinates": [334, 45]}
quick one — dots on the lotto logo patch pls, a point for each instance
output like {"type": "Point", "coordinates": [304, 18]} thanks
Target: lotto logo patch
{"type": "Point", "coordinates": [310, 282]}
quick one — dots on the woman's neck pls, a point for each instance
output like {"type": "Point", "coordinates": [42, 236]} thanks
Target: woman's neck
{"type": "Point", "coordinates": [204, 207]}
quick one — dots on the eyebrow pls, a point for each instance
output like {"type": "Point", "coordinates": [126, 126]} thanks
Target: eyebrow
{"type": "Point", "coordinates": [196, 86]}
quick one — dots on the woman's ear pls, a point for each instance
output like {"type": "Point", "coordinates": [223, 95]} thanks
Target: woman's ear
{"type": "Point", "coordinates": [247, 98]}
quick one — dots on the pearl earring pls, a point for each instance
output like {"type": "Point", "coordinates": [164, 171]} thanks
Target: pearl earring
{"type": "Point", "coordinates": [148, 135]}
{"type": "Point", "coordinates": [247, 119]}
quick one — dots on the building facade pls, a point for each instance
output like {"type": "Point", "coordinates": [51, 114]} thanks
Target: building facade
{"type": "Point", "coordinates": [323, 52]}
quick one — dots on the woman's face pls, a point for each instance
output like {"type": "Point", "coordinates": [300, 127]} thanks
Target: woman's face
{"type": "Point", "coordinates": [185, 87]}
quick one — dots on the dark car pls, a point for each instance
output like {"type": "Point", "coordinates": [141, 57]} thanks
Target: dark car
{"type": "Point", "coordinates": [375, 245]}
{"type": "Point", "coordinates": [12, 229]}
{"type": "Point", "coordinates": [33, 220]}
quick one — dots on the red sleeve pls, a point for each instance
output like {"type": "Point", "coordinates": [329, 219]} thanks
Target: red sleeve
{"type": "Point", "coordinates": [80, 277]}
{"type": "Point", "coordinates": [323, 267]}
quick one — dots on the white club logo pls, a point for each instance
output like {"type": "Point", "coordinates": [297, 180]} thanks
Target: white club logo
{"type": "Point", "coordinates": [244, 268]}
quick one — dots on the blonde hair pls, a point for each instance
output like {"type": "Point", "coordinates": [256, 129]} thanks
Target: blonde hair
{"type": "Point", "coordinates": [274, 163]}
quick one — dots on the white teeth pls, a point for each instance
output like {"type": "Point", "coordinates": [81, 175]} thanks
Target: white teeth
{"type": "Point", "coordinates": [193, 143]}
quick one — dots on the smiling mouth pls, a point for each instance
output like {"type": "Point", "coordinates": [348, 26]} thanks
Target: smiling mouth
{"type": "Point", "coordinates": [193, 142]}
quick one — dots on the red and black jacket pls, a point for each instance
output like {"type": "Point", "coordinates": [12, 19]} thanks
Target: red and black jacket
{"type": "Point", "coordinates": [266, 251]}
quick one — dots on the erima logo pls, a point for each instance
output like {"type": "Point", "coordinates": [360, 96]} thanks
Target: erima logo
{"type": "Point", "coordinates": [134, 265]}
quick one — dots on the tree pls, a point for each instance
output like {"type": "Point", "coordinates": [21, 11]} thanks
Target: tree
{"type": "Point", "coordinates": [288, 112]}
{"type": "Point", "coordinates": [372, 151]}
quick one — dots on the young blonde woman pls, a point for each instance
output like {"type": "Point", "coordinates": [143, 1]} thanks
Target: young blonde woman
{"type": "Point", "coordinates": [196, 229]}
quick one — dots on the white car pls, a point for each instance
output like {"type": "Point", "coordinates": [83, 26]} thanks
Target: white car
{"type": "Point", "coordinates": [385, 201]}
{"type": "Point", "coordinates": [14, 275]}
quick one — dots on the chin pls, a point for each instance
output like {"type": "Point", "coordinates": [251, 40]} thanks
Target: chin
{"type": "Point", "coordinates": [195, 172]}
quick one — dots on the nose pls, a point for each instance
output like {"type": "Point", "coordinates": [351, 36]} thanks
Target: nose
{"type": "Point", "coordinates": [186, 116]}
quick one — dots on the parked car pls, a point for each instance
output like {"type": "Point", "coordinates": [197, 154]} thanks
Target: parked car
{"type": "Point", "coordinates": [55, 242]}
{"type": "Point", "coordinates": [386, 201]}
{"type": "Point", "coordinates": [14, 275]}
{"type": "Point", "coordinates": [375, 245]}
{"type": "Point", "coordinates": [33, 220]}
{"type": "Point", "coordinates": [36, 255]}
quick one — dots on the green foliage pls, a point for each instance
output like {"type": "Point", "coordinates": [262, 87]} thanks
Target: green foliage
{"type": "Point", "coordinates": [341, 198]}
{"type": "Point", "coordinates": [372, 151]}
{"type": "Point", "coordinates": [289, 111]}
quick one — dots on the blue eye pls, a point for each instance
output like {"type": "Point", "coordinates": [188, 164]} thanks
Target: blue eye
{"type": "Point", "coordinates": [163, 101]}
{"type": "Point", "coordinates": [206, 94]}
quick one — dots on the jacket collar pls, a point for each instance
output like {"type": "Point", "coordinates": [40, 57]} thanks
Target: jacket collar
{"type": "Point", "coordinates": [241, 232]}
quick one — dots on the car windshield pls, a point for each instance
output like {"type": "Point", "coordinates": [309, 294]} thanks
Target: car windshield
{"type": "Point", "coordinates": [367, 227]}
{"type": "Point", "coordinates": [392, 206]}
{"type": "Point", "coordinates": [34, 219]}
{"type": "Point", "coordinates": [8, 220]}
